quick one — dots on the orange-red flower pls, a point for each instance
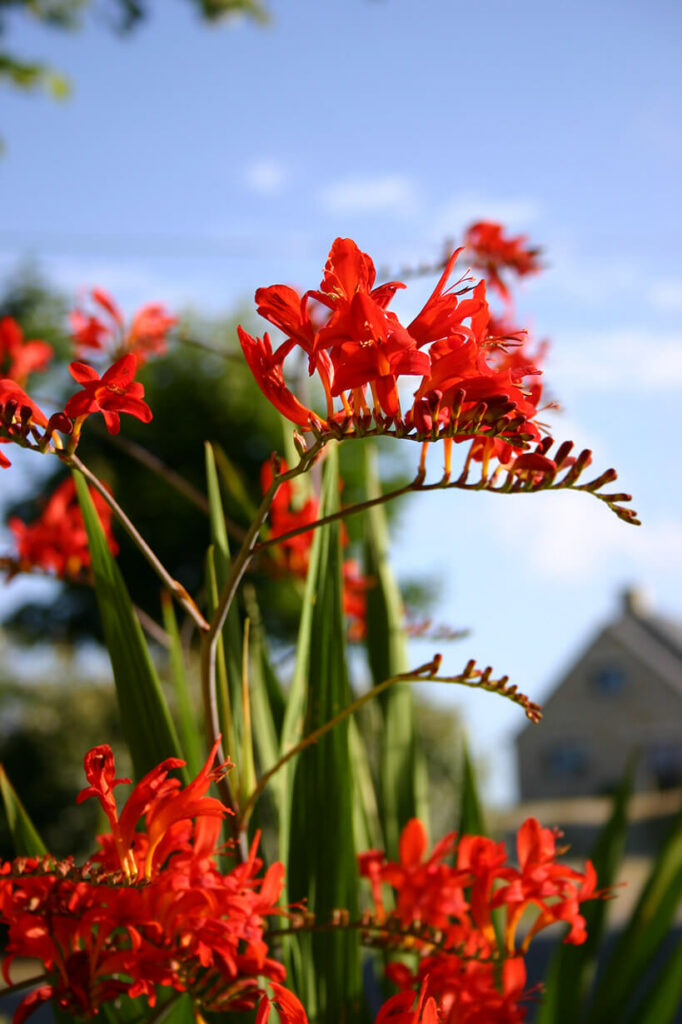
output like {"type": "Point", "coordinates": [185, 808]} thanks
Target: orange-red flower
{"type": "Point", "coordinates": [150, 908]}
{"type": "Point", "coordinates": [57, 541]}
{"type": "Point", "coordinates": [145, 336]}
{"type": "Point", "coordinates": [18, 356]}
{"type": "Point", "coordinates": [457, 959]}
{"type": "Point", "coordinates": [362, 354]}
{"type": "Point", "coordinates": [19, 415]}
{"type": "Point", "coordinates": [114, 393]}
{"type": "Point", "coordinates": [494, 253]}
{"type": "Point", "coordinates": [292, 555]}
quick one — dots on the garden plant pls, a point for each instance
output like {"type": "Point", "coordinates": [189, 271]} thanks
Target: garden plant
{"type": "Point", "coordinates": [183, 912]}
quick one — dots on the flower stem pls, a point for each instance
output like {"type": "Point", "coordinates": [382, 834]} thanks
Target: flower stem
{"type": "Point", "coordinates": [172, 585]}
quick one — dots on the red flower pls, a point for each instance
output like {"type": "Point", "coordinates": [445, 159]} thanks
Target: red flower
{"type": "Point", "coordinates": [146, 335]}
{"type": "Point", "coordinates": [18, 357]}
{"type": "Point", "coordinates": [18, 414]}
{"type": "Point", "coordinates": [287, 1004]}
{"type": "Point", "coordinates": [115, 392]}
{"type": "Point", "coordinates": [150, 908]}
{"type": "Point", "coordinates": [267, 369]}
{"type": "Point", "coordinates": [292, 555]}
{"type": "Point", "coordinates": [494, 253]}
{"type": "Point", "coordinates": [362, 352]}
{"type": "Point", "coordinates": [57, 541]}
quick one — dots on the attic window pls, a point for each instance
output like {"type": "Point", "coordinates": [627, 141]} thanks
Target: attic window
{"type": "Point", "coordinates": [609, 680]}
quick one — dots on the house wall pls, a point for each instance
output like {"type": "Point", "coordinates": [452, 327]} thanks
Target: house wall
{"type": "Point", "coordinates": [616, 699]}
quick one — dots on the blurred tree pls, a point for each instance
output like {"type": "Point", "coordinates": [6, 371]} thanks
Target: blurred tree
{"type": "Point", "coordinates": [121, 15]}
{"type": "Point", "coordinates": [156, 470]}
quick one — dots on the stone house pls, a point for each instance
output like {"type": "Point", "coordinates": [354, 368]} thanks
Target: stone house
{"type": "Point", "coordinates": [621, 696]}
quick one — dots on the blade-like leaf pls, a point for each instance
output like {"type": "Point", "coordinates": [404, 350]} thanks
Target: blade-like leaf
{"type": "Point", "coordinates": [645, 931]}
{"type": "Point", "coordinates": [662, 1002]}
{"type": "Point", "coordinates": [190, 737]}
{"type": "Point", "coordinates": [572, 969]}
{"type": "Point", "coordinates": [232, 630]}
{"type": "Point", "coordinates": [401, 768]}
{"type": "Point", "coordinates": [321, 849]}
{"type": "Point", "coordinates": [471, 820]}
{"type": "Point", "coordinates": [145, 719]}
{"type": "Point", "coordinates": [25, 838]}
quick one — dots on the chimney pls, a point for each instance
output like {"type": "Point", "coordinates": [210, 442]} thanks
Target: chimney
{"type": "Point", "coordinates": [635, 602]}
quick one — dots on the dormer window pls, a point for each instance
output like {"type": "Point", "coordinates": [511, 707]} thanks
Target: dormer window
{"type": "Point", "coordinates": [608, 680]}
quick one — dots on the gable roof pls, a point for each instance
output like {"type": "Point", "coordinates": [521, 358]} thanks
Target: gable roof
{"type": "Point", "coordinates": [654, 640]}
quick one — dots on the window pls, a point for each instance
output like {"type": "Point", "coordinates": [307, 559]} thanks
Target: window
{"type": "Point", "coordinates": [609, 680]}
{"type": "Point", "coordinates": [567, 761]}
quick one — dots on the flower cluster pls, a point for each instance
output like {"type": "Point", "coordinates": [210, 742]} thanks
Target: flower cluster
{"type": "Point", "coordinates": [149, 908]}
{"type": "Point", "coordinates": [114, 392]}
{"type": "Point", "coordinates": [20, 356]}
{"type": "Point", "coordinates": [292, 554]}
{"type": "Point", "coordinates": [57, 541]}
{"type": "Point", "coordinates": [494, 253]}
{"type": "Point", "coordinates": [106, 330]}
{"type": "Point", "coordinates": [361, 353]}
{"type": "Point", "coordinates": [448, 909]}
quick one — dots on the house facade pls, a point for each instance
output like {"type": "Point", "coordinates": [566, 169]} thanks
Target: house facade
{"type": "Point", "coordinates": [621, 697]}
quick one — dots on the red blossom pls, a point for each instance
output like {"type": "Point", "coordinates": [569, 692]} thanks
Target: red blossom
{"type": "Point", "coordinates": [150, 908]}
{"type": "Point", "coordinates": [58, 541]}
{"type": "Point", "coordinates": [362, 353]}
{"type": "Point", "coordinates": [494, 253]}
{"type": "Point", "coordinates": [18, 356]}
{"type": "Point", "coordinates": [18, 414]}
{"type": "Point", "coordinates": [114, 393]}
{"type": "Point", "coordinates": [457, 960]}
{"type": "Point", "coordinates": [145, 336]}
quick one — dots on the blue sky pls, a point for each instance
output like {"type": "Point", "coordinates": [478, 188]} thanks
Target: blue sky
{"type": "Point", "coordinates": [192, 165]}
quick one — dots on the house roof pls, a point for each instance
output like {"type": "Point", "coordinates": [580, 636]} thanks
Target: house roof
{"type": "Point", "coordinates": [653, 639]}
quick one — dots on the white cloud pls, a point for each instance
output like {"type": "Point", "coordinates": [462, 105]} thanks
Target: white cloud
{"type": "Point", "coordinates": [625, 359]}
{"type": "Point", "coordinates": [666, 296]}
{"type": "Point", "coordinates": [578, 538]}
{"type": "Point", "coordinates": [393, 193]}
{"type": "Point", "coordinates": [266, 176]}
{"type": "Point", "coordinates": [517, 214]}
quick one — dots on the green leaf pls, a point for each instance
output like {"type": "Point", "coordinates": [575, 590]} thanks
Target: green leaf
{"type": "Point", "coordinates": [321, 848]}
{"type": "Point", "coordinates": [573, 967]}
{"type": "Point", "coordinates": [402, 774]}
{"type": "Point", "coordinates": [25, 838]}
{"type": "Point", "coordinates": [662, 1002]}
{"type": "Point", "coordinates": [267, 699]}
{"type": "Point", "coordinates": [232, 630]}
{"type": "Point", "coordinates": [145, 719]}
{"type": "Point", "coordinates": [647, 928]}
{"type": "Point", "coordinates": [190, 736]}
{"type": "Point", "coordinates": [471, 820]}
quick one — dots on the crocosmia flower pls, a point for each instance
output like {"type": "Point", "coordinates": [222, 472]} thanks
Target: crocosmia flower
{"type": "Point", "coordinates": [106, 329]}
{"type": "Point", "coordinates": [19, 356]}
{"type": "Point", "coordinates": [444, 902]}
{"type": "Point", "coordinates": [113, 393]}
{"type": "Point", "coordinates": [57, 541]}
{"type": "Point", "coordinates": [149, 909]}
{"type": "Point", "coordinates": [450, 355]}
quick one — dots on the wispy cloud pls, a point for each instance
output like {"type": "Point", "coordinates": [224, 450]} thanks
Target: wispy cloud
{"type": "Point", "coordinates": [579, 539]}
{"type": "Point", "coordinates": [265, 176]}
{"type": "Point", "coordinates": [394, 193]}
{"type": "Point", "coordinates": [619, 359]}
{"type": "Point", "coordinates": [666, 296]}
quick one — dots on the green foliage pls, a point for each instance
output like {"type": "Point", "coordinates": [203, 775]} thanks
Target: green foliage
{"type": "Point", "coordinates": [147, 726]}
{"type": "Point", "coordinates": [320, 848]}
{"type": "Point", "coordinates": [401, 766]}
{"type": "Point", "coordinates": [25, 838]}
{"type": "Point", "coordinates": [46, 729]}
